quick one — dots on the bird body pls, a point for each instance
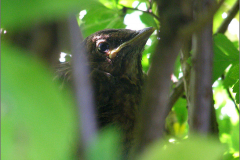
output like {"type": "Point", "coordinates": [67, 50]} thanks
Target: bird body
{"type": "Point", "coordinates": [116, 72]}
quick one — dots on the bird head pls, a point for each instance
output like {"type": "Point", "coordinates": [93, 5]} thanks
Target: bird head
{"type": "Point", "coordinates": [117, 51]}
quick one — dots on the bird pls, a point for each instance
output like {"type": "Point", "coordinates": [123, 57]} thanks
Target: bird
{"type": "Point", "coordinates": [114, 58]}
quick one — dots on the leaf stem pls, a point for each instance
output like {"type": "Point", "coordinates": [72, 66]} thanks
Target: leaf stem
{"type": "Point", "coordinates": [231, 97]}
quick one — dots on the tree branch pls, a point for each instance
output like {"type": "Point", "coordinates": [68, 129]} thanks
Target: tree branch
{"type": "Point", "coordinates": [224, 23]}
{"type": "Point", "coordinates": [202, 19]}
{"type": "Point", "coordinates": [176, 93]}
{"type": "Point", "coordinates": [83, 88]}
{"type": "Point", "coordinates": [154, 107]}
{"type": "Point", "coordinates": [201, 76]}
{"type": "Point", "coordinates": [231, 14]}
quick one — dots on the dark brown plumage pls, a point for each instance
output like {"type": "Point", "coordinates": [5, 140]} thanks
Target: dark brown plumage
{"type": "Point", "coordinates": [115, 60]}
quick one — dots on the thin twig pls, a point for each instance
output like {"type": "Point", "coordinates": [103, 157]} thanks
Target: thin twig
{"type": "Point", "coordinates": [176, 93]}
{"type": "Point", "coordinates": [82, 85]}
{"type": "Point", "coordinates": [231, 14]}
{"type": "Point", "coordinates": [184, 56]}
{"type": "Point", "coordinates": [231, 97]}
{"type": "Point", "coordinates": [148, 12]}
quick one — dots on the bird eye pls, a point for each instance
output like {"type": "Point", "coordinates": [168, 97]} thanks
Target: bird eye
{"type": "Point", "coordinates": [103, 47]}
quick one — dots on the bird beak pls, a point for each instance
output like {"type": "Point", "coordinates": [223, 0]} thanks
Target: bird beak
{"type": "Point", "coordinates": [142, 36]}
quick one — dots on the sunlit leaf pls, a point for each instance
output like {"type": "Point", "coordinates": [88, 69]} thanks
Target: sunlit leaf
{"type": "Point", "coordinates": [148, 51]}
{"type": "Point", "coordinates": [127, 3]}
{"type": "Point", "coordinates": [109, 3]}
{"type": "Point", "coordinates": [145, 62]}
{"type": "Point", "coordinates": [236, 90]}
{"type": "Point", "coordinates": [180, 108]}
{"type": "Point", "coordinates": [236, 44]}
{"type": "Point", "coordinates": [226, 46]}
{"type": "Point", "coordinates": [234, 72]}
{"type": "Point", "coordinates": [235, 137]}
{"type": "Point", "coordinates": [99, 17]}
{"type": "Point", "coordinates": [232, 76]}
{"type": "Point", "coordinates": [197, 148]}
{"type": "Point", "coordinates": [221, 98]}
{"type": "Point", "coordinates": [230, 156]}
{"type": "Point", "coordinates": [225, 54]}
{"type": "Point", "coordinates": [177, 66]}
{"type": "Point", "coordinates": [217, 20]}
{"type": "Point", "coordinates": [148, 20]}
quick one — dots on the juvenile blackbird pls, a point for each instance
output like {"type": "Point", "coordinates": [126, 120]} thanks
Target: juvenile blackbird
{"type": "Point", "coordinates": [116, 71]}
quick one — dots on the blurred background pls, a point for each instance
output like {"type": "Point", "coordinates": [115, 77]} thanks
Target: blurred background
{"type": "Point", "coordinates": [38, 115]}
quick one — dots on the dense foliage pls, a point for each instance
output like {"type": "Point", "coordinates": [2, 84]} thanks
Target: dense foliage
{"type": "Point", "coordinates": [39, 119]}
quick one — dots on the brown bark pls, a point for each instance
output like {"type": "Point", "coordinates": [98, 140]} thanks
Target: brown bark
{"type": "Point", "coordinates": [201, 76]}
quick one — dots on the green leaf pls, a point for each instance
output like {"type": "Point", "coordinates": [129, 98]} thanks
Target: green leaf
{"type": "Point", "coordinates": [109, 3]}
{"type": "Point", "coordinates": [127, 3]}
{"type": "Point", "coordinates": [217, 20]}
{"type": "Point", "coordinates": [232, 80]}
{"type": "Point", "coordinates": [177, 66]}
{"type": "Point", "coordinates": [20, 14]}
{"type": "Point", "coordinates": [226, 46]}
{"type": "Point", "coordinates": [235, 137]}
{"type": "Point", "coordinates": [224, 125]}
{"type": "Point", "coordinates": [145, 62]}
{"type": "Point", "coordinates": [189, 61]}
{"type": "Point", "coordinates": [236, 44]}
{"type": "Point", "coordinates": [234, 72]}
{"type": "Point", "coordinates": [38, 120]}
{"type": "Point", "coordinates": [180, 108]}
{"type": "Point", "coordinates": [148, 20]}
{"type": "Point", "coordinates": [197, 148]}
{"type": "Point", "coordinates": [220, 62]}
{"type": "Point", "coordinates": [176, 121]}
{"type": "Point", "coordinates": [230, 156]}
{"type": "Point", "coordinates": [99, 17]}
{"type": "Point", "coordinates": [148, 51]}
{"type": "Point", "coordinates": [221, 98]}
{"type": "Point", "coordinates": [225, 54]}
{"type": "Point", "coordinates": [232, 76]}
{"type": "Point", "coordinates": [107, 146]}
